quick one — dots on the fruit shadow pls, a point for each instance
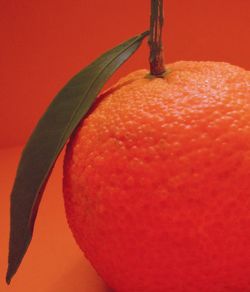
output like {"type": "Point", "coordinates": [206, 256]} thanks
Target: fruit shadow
{"type": "Point", "coordinates": [80, 278]}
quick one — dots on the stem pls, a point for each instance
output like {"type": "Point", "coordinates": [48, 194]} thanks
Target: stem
{"type": "Point", "coordinates": [156, 58]}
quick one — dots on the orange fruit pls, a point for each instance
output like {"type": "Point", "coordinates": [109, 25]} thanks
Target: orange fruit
{"type": "Point", "coordinates": [156, 181]}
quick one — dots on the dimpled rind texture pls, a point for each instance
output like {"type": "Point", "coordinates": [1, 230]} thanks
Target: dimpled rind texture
{"type": "Point", "coordinates": [157, 181]}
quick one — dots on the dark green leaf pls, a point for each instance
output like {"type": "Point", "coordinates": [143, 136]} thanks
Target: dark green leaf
{"type": "Point", "coordinates": [48, 139]}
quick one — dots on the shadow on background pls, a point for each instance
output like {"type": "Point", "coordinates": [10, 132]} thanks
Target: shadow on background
{"type": "Point", "coordinates": [78, 278]}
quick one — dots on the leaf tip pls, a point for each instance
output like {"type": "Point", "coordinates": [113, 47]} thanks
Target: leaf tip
{"type": "Point", "coordinates": [9, 276]}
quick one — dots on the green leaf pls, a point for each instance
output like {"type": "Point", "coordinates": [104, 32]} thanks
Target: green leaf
{"type": "Point", "coordinates": [48, 139]}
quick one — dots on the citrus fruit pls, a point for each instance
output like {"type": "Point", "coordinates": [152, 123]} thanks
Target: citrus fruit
{"type": "Point", "coordinates": [156, 181]}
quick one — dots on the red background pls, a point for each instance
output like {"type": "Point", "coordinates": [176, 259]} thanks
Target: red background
{"type": "Point", "coordinates": [43, 43]}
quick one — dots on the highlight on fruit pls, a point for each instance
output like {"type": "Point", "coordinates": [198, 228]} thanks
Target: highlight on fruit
{"type": "Point", "coordinates": [156, 173]}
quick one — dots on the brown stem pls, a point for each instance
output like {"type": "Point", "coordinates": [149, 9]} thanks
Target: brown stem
{"type": "Point", "coordinates": [156, 58]}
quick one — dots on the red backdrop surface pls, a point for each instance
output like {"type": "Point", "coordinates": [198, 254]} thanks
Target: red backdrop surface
{"type": "Point", "coordinates": [43, 43]}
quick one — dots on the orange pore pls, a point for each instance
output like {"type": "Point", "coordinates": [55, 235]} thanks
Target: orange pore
{"type": "Point", "coordinates": [156, 181]}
